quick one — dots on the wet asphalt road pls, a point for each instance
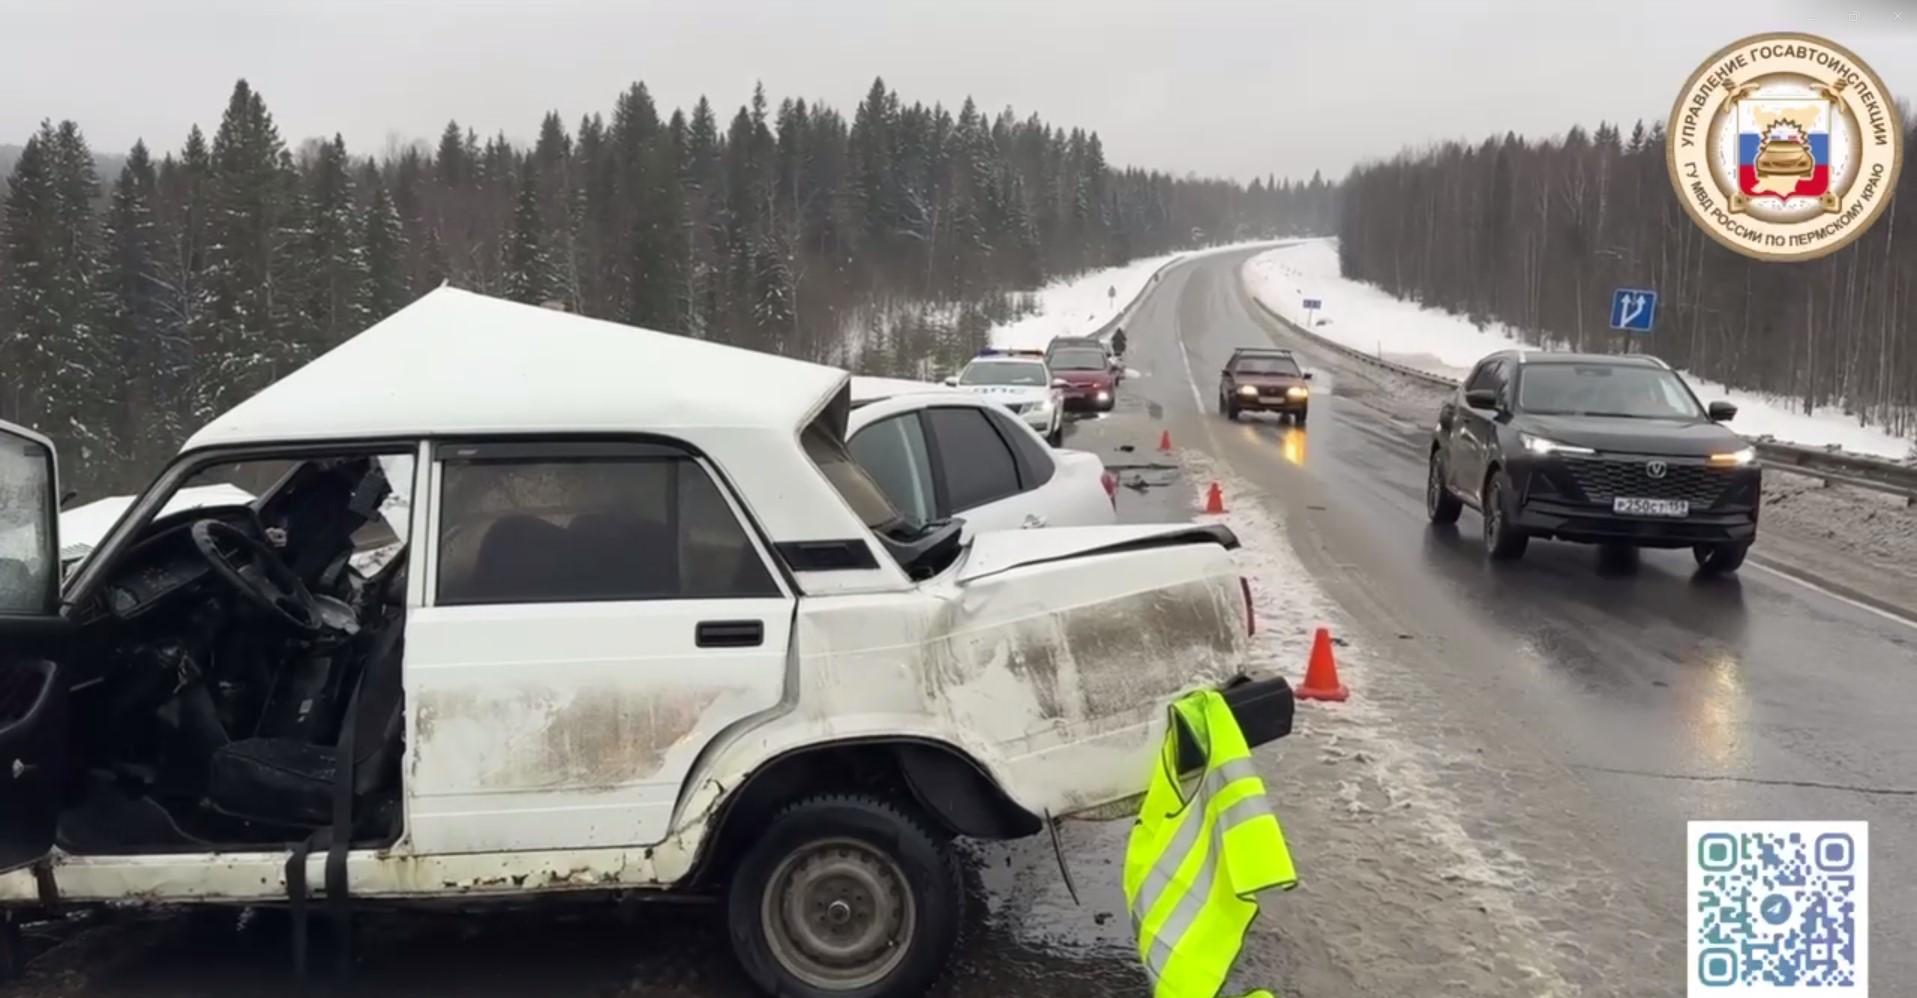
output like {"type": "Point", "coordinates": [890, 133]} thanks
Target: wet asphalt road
{"type": "Point", "coordinates": [1575, 713]}
{"type": "Point", "coordinates": [1653, 695]}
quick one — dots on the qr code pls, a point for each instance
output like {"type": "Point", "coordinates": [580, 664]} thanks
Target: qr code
{"type": "Point", "coordinates": [1778, 906]}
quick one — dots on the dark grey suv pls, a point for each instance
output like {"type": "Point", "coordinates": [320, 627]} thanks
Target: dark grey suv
{"type": "Point", "coordinates": [1593, 449]}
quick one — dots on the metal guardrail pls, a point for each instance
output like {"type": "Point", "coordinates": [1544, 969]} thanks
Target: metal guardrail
{"type": "Point", "coordinates": [1838, 467]}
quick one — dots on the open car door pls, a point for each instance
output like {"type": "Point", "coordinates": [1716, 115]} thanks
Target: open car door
{"type": "Point", "coordinates": [33, 692]}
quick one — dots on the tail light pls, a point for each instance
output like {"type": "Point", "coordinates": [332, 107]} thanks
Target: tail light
{"type": "Point", "coordinates": [1251, 616]}
{"type": "Point", "coordinates": [1110, 482]}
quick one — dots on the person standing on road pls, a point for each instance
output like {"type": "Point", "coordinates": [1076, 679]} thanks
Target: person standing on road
{"type": "Point", "coordinates": [1118, 342]}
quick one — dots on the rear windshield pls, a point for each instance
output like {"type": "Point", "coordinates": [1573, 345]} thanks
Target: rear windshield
{"type": "Point", "coordinates": [1003, 372]}
{"type": "Point", "coordinates": [1605, 390]}
{"type": "Point", "coordinates": [1078, 359]}
{"type": "Point", "coordinates": [1266, 365]}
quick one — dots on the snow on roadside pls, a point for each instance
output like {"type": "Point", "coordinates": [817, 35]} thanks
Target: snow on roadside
{"type": "Point", "coordinates": [1080, 305]}
{"type": "Point", "coordinates": [1367, 318]}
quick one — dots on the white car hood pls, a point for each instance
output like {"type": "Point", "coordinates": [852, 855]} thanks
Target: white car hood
{"type": "Point", "coordinates": [995, 551]}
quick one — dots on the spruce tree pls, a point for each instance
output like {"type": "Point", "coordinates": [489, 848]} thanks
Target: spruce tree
{"type": "Point", "coordinates": [251, 231]}
{"type": "Point", "coordinates": [53, 338]}
{"type": "Point", "coordinates": [333, 260]}
{"type": "Point", "coordinates": [150, 366]}
{"type": "Point", "coordinates": [524, 266]}
{"type": "Point", "coordinates": [388, 286]}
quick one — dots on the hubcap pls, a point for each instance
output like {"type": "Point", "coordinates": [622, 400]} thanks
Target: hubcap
{"type": "Point", "coordinates": [838, 914]}
{"type": "Point", "coordinates": [1494, 512]}
{"type": "Point", "coordinates": [1433, 487]}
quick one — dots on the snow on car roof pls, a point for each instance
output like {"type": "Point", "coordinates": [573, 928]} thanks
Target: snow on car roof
{"type": "Point", "coordinates": [869, 389]}
{"type": "Point", "coordinates": [455, 362]}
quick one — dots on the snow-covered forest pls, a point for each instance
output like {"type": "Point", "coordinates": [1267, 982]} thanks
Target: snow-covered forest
{"type": "Point", "coordinates": [1537, 234]}
{"type": "Point", "coordinates": [134, 307]}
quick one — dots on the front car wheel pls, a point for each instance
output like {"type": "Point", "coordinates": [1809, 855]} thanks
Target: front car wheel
{"type": "Point", "coordinates": [1503, 540]}
{"type": "Point", "coordinates": [1720, 558]}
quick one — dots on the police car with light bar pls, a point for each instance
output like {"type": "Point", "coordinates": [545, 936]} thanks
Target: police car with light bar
{"type": "Point", "coordinates": [1020, 381]}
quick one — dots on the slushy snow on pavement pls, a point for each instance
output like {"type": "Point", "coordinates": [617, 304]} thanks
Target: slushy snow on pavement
{"type": "Point", "coordinates": [1367, 318]}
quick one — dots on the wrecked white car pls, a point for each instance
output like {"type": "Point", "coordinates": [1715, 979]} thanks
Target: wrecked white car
{"type": "Point", "coordinates": [520, 608]}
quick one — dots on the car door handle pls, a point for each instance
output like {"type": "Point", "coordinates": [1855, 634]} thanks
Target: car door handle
{"type": "Point", "coordinates": [730, 633]}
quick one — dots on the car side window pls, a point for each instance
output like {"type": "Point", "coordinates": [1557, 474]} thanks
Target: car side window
{"type": "Point", "coordinates": [1486, 376]}
{"type": "Point", "coordinates": [591, 529]}
{"type": "Point", "coordinates": [894, 453]}
{"type": "Point", "coordinates": [976, 464]}
{"type": "Point", "coordinates": [1035, 464]}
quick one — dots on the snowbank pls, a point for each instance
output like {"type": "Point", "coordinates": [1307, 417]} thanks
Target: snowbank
{"type": "Point", "coordinates": [1077, 306]}
{"type": "Point", "coordinates": [82, 526]}
{"type": "Point", "coordinates": [1081, 305]}
{"type": "Point", "coordinates": [1364, 317]}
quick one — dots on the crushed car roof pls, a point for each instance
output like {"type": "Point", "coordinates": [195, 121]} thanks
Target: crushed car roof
{"type": "Point", "coordinates": [459, 363]}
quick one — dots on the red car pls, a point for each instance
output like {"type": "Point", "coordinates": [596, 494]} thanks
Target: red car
{"type": "Point", "coordinates": [1084, 372]}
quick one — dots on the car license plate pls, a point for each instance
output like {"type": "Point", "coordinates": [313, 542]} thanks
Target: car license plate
{"type": "Point", "coordinates": [1650, 507]}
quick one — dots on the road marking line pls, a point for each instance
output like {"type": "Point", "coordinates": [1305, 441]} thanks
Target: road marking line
{"type": "Point", "coordinates": [1839, 597]}
{"type": "Point", "coordinates": [1190, 378]}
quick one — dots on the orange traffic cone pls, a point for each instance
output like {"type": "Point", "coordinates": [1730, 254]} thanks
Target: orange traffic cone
{"type": "Point", "coordinates": [1214, 499]}
{"type": "Point", "coordinates": [1321, 675]}
{"type": "Point", "coordinates": [1164, 441]}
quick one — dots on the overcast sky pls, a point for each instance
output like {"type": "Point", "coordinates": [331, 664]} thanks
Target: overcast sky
{"type": "Point", "coordinates": [1219, 87]}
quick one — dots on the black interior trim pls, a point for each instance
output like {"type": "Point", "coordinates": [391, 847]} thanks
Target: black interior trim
{"type": "Point", "coordinates": [827, 556]}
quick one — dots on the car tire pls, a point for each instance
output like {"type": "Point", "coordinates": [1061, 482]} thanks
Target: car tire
{"type": "Point", "coordinates": [1720, 559]}
{"type": "Point", "coordinates": [1057, 436]}
{"type": "Point", "coordinates": [852, 874]}
{"type": "Point", "coordinates": [1439, 503]}
{"type": "Point", "coordinates": [1502, 540]}
{"type": "Point", "coordinates": [1298, 417]}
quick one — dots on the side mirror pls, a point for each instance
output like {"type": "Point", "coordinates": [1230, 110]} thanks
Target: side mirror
{"type": "Point", "coordinates": [1722, 412]}
{"type": "Point", "coordinates": [1307, 375]}
{"type": "Point", "coordinates": [1482, 398]}
{"type": "Point", "coordinates": [1447, 413]}
{"type": "Point", "coordinates": [951, 382]}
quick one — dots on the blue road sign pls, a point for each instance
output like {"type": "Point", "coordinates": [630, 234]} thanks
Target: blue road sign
{"type": "Point", "coordinates": [1633, 309]}
{"type": "Point", "coordinates": [1314, 304]}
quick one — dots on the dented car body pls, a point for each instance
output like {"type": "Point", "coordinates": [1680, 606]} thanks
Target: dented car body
{"type": "Point", "coordinates": [520, 608]}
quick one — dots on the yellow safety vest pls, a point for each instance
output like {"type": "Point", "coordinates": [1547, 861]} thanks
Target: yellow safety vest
{"type": "Point", "coordinates": [1195, 865]}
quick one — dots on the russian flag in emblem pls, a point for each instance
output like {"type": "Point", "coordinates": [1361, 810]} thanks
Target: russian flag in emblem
{"type": "Point", "coordinates": [1783, 147]}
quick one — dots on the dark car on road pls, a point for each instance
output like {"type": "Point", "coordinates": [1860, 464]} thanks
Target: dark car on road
{"type": "Point", "coordinates": [1085, 366]}
{"type": "Point", "coordinates": [1611, 450]}
{"type": "Point", "coordinates": [1264, 379]}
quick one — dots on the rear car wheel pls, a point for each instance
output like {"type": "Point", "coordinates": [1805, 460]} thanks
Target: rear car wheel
{"type": "Point", "coordinates": [1503, 541]}
{"type": "Point", "coordinates": [1720, 558]}
{"type": "Point", "coordinates": [844, 895]}
{"type": "Point", "coordinates": [1439, 503]}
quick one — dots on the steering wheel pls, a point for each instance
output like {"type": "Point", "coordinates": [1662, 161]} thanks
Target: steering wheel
{"type": "Point", "coordinates": [254, 571]}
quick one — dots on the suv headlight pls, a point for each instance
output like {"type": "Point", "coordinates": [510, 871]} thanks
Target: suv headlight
{"type": "Point", "coordinates": [1247, 389]}
{"type": "Point", "coordinates": [1541, 446]}
{"type": "Point", "coordinates": [1734, 459]}
{"type": "Point", "coordinates": [1297, 392]}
